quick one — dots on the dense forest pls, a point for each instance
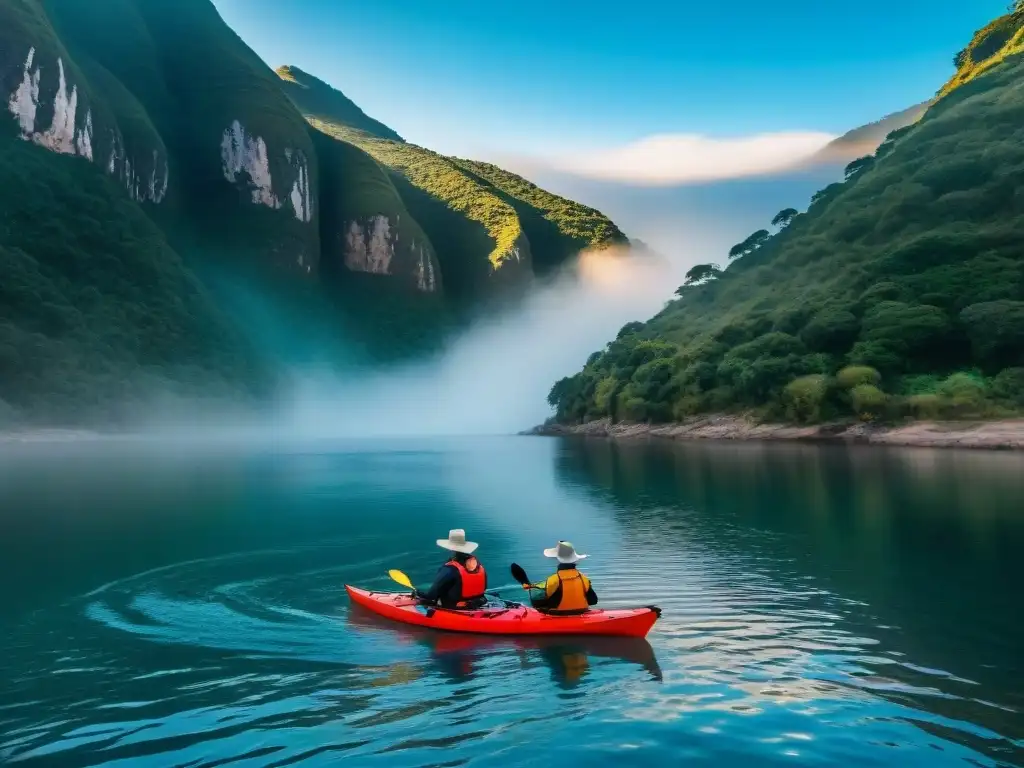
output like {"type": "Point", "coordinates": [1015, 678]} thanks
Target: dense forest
{"type": "Point", "coordinates": [177, 218]}
{"type": "Point", "coordinates": [899, 292]}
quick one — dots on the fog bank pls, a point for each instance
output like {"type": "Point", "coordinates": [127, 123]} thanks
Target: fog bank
{"type": "Point", "coordinates": [494, 379]}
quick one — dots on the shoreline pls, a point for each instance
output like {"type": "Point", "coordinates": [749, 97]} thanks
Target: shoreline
{"type": "Point", "coordinates": [998, 435]}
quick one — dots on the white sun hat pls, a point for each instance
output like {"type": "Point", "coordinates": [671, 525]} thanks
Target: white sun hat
{"type": "Point", "coordinates": [456, 542]}
{"type": "Point", "coordinates": [564, 553]}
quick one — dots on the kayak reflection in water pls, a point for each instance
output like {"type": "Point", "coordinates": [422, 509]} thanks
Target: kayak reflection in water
{"type": "Point", "coordinates": [462, 581]}
{"type": "Point", "coordinates": [567, 592]}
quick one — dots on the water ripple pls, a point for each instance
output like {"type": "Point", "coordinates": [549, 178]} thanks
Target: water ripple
{"type": "Point", "coordinates": [255, 659]}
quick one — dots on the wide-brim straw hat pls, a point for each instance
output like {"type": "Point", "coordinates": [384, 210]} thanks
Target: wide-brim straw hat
{"type": "Point", "coordinates": [565, 553]}
{"type": "Point", "coordinates": [456, 542]}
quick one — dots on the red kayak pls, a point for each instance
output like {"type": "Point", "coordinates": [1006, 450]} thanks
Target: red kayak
{"type": "Point", "coordinates": [511, 619]}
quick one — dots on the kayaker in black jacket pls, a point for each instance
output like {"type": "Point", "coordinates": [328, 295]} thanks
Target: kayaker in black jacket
{"type": "Point", "coordinates": [567, 591]}
{"type": "Point", "coordinates": [462, 581]}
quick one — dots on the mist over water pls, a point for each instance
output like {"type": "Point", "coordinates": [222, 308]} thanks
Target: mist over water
{"type": "Point", "coordinates": [494, 378]}
{"type": "Point", "coordinates": [491, 379]}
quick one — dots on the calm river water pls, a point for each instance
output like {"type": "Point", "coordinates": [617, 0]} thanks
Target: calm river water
{"type": "Point", "coordinates": [173, 605]}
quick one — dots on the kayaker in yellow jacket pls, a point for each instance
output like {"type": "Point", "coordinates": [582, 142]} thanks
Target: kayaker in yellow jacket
{"type": "Point", "coordinates": [567, 591]}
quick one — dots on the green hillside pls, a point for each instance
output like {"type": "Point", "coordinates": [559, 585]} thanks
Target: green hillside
{"type": "Point", "coordinates": [489, 228]}
{"type": "Point", "coordinates": [477, 236]}
{"type": "Point", "coordinates": [171, 222]}
{"type": "Point", "coordinates": [316, 99]}
{"type": "Point", "coordinates": [900, 292]}
{"type": "Point", "coordinates": [98, 315]}
{"type": "Point", "coordinates": [989, 47]}
{"type": "Point", "coordinates": [556, 228]}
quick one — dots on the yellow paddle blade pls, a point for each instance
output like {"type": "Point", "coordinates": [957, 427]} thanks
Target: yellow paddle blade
{"type": "Point", "coordinates": [400, 577]}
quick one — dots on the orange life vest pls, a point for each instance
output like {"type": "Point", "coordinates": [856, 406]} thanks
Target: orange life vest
{"type": "Point", "coordinates": [474, 583]}
{"type": "Point", "coordinates": [574, 586]}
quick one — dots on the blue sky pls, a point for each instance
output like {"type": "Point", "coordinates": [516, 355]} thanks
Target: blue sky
{"type": "Point", "coordinates": [542, 77]}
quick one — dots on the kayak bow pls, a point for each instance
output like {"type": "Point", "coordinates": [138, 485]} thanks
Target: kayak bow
{"type": "Point", "coordinates": [514, 620]}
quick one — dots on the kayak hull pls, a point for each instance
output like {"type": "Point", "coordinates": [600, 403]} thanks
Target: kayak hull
{"type": "Point", "coordinates": [516, 620]}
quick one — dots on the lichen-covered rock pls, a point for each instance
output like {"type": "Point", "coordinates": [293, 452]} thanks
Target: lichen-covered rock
{"type": "Point", "coordinates": [371, 245]}
{"type": "Point", "coordinates": [70, 129]}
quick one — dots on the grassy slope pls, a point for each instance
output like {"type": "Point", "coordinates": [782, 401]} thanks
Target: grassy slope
{"type": "Point", "coordinates": [479, 218]}
{"type": "Point", "coordinates": [556, 227]}
{"type": "Point", "coordinates": [319, 100]}
{"type": "Point", "coordinates": [481, 235]}
{"type": "Point", "coordinates": [475, 234]}
{"type": "Point", "coordinates": [990, 46]}
{"type": "Point", "coordinates": [913, 266]}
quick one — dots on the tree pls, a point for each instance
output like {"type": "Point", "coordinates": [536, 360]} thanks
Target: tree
{"type": "Point", "coordinates": [826, 193]}
{"type": "Point", "coordinates": [831, 330]}
{"type": "Point", "coordinates": [758, 239]}
{"type": "Point", "coordinates": [702, 273]}
{"type": "Point", "coordinates": [751, 244]}
{"type": "Point", "coordinates": [996, 331]}
{"type": "Point", "coordinates": [785, 217]}
{"type": "Point", "coordinates": [858, 165]}
{"type": "Point", "coordinates": [629, 329]}
{"type": "Point", "coordinates": [907, 330]}
{"type": "Point", "coordinates": [1008, 386]}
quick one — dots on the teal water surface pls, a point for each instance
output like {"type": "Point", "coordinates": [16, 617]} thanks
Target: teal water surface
{"type": "Point", "coordinates": [175, 605]}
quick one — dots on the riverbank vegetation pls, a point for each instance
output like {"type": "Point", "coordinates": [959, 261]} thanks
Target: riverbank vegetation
{"type": "Point", "coordinates": [899, 293]}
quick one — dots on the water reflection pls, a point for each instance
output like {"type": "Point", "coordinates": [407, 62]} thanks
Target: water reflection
{"type": "Point", "coordinates": [460, 656]}
{"type": "Point", "coordinates": [828, 573]}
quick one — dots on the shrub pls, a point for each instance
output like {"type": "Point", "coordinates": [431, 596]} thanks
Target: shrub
{"type": "Point", "coordinates": [869, 402]}
{"type": "Point", "coordinates": [686, 406]}
{"type": "Point", "coordinates": [804, 396]}
{"type": "Point", "coordinates": [920, 384]}
{"type": "Point", "coordinates": [854, 375]}
{"type": "Point", "coordinates": [1008, 386]}
{"type": "Point", "coordinates": [925, 406]}
{"type": "Point", "coordinates": [963, 393]}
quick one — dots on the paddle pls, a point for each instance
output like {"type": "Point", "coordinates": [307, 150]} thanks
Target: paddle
{"type": "Point", "coordinates": [401, 578]}
{"type": "Point", "coordinates": [405, 581]}
{"type": "Point", "coordinates": [520, 575]}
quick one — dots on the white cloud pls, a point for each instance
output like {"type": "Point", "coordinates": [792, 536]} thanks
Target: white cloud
{"type": "Point", "coordinates": [674, 159]}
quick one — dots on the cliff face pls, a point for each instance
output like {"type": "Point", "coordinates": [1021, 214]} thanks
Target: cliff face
{"type": "Point", "coordinates": [365, 225]}
{"type": "Point", "coordinates": [139, 132]}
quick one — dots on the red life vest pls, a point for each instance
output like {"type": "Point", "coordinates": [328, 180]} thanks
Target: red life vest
{"type": "Point", "coordinates": [474, 582]}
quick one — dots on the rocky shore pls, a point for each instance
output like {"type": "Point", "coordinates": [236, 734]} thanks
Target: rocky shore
{"type": "Point", "coordinates": [991, 435]}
